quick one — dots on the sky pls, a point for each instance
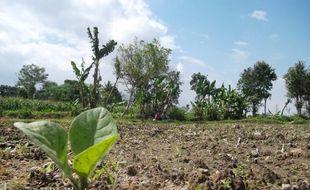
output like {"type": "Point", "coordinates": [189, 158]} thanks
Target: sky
{"type": "Point", "coordinates": [219, 38]}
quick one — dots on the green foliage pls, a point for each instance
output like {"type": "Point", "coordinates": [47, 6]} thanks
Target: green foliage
{"type": "Point", "coordinates": [205, 91]}
{"type": "Point", "coordinates": [214, 103]}
{"type": "Point", "coordinates": [8, 91]}
{"type": "Point", "coordinates": [176, 113]}
{"type": "Point", "coordinates": [297, 80]}
{"type": "Point", "coordinates": [98, 53]}
{"type": "Point", "coordinates": [49, 91]}
{"type": "Point", "coordinates": [65, 92]}
{"type": "Point", "coordinates": [51, 138]}
{"type": "Point", "coordinates": [110, 95]}
{"type": "Point", "coordinates": [91, 135]}
{"type": "Point", "coordinates": [255, 83]}
{"type": "Point", "coordinates": [81, 75]}
{"type": "Point", "coordinates": [15, 104]}
{"type": "Point", "coordinates": [29, 76]}
{"type": "Point", "coordinates": [295, 119]}
{"type": "Point", "coordinates": [21, 114]}
{"type": "Point", "coordinates": [190, 116]}
{"type": "Point", "coordinates": [233, 105]}
{"type": "Point", "coordinates": [144, 69]}
{"type": "Point", "coordinates": [90, 95]}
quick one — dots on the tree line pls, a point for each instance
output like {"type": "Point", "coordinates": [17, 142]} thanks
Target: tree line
{"type": "Point", "coordinates": [152, 87]}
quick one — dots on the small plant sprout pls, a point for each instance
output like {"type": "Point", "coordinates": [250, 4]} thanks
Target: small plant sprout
{"type": "Point", "coordinates": [91, 136]}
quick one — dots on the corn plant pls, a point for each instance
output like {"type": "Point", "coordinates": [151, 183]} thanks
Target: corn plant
{"type": "Point", "coordinates": [91, 135]}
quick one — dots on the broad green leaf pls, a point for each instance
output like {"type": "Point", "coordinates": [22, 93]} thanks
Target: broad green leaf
{"type": "Point", "coordinates": [85, 162]}
{"type": "Point", "coordinates": [50, 137]}
{"type": "Point", "coordinates": [89, 128]}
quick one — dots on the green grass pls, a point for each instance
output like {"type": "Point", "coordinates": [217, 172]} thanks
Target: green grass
{"type": "Point", "coordinates": [17, 104]}
{"type": "Point", "coordinates": [20, 108]}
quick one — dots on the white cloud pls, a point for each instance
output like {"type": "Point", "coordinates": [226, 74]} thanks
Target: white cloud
{"type": "Point", "coordinates": [259, 15]}
{"type": "Point", "coordinates": [239, 55]}
{"type": "Point", "coordinates": [241, 43]}
{"type": "Point", "coordinates": [168, 41]}
{"type": "Point", "coordinates": [192, 60]}
{"type": "Point", "coordinates": [180, 67]}
{"type": "Point", "coordinates": [51, 34]}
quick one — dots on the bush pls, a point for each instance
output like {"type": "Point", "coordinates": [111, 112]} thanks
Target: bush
{"type": "Point", "coordinates": [176, 113]}
{"type": "Point", "coordinates": [21, 114]}
{"type": "Point", "coordinates": [190, 116]}
{"type": "Point", "coordinates": [212, 113]}
{"type": "Point", "coordinates": [299, 119]}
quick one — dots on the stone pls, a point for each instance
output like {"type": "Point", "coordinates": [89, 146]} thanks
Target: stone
{"type": "Point", "coordinates": [286, 187]}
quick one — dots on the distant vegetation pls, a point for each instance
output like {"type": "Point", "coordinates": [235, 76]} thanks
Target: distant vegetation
{"type": "Point", "coordinates": [153, 88]}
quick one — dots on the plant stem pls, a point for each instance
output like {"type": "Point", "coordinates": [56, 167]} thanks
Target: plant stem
{"type": "Point", "coordinates": [83, 183]}
{"type": "Point", "coordinates": [74, 182]}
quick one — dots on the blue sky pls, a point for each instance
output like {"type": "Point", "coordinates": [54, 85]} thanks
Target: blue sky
{"type": "Point", "coordinates": [218, 38]}
{"type": "Point", "coordinates": [229, 36]}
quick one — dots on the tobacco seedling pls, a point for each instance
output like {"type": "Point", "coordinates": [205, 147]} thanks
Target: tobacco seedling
{"type": "Point", "coordinates": [91, 135]}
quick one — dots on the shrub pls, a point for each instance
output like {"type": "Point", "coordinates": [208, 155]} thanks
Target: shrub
{"type": "Point", "coordinates": [190, 116]}
{"type": "Point", "coordinates": [176, 113]}
{"type": "Point", "coordinates": [24, 114]}
{"type": "Point", "coordinates": [21, 114]}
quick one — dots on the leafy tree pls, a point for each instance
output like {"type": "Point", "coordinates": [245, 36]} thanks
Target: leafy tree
{"type": "Point", "coordinates": [164, 92]}
{"type": "Point", "coordinates": [98, 53]}
{"type": "Point", "coordinates": [29, 76]}
{"type": "Point", "coordinates": [296, 84]}
{"type": "Point", "coordinates": [6, 90]}
{"type": "Point", "coordinates": [141, 64]}
{"type": "Point", "coordinates": [265, 75]}
{"type": "Point", "coordinates": [69, 90]}
{"type": "Point", "coordinates": [205, 91]}
{"type": "Point", "coordinates": [49, 91]}
{"type": "Point", "coordinates": [248, 86]}
{"type": "Point", "coordinates": [256, 83]}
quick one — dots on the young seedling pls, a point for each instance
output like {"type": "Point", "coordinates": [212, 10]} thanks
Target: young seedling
{"type": "Point", "coordinates": [91, 135]}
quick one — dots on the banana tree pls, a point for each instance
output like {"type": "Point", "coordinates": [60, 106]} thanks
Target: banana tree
{"type": "Point", "coordinates": [81, 75]}
{"type": "Point", "coordinates": [98, 53]}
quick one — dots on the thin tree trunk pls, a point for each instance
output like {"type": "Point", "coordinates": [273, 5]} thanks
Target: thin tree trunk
{"type": "Point", "coordinates": [287, 102]}
{"type": "Point", "coordinates": [82, 95]}
{"type": "Point", "coordinates": [168, 103]}
{"type": "Point", "coordinates": [265, 106]}
{"type": "Point", "coordinates": [107, 100]}
{"type": "Point", "coordinates": [253, 109]}
{"type": "Point", "coordinates": [95, 93]}
{"type": "Point", "coordinates": [128, 103]}
{"type": "Point", "coordinates": [298, 105]}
